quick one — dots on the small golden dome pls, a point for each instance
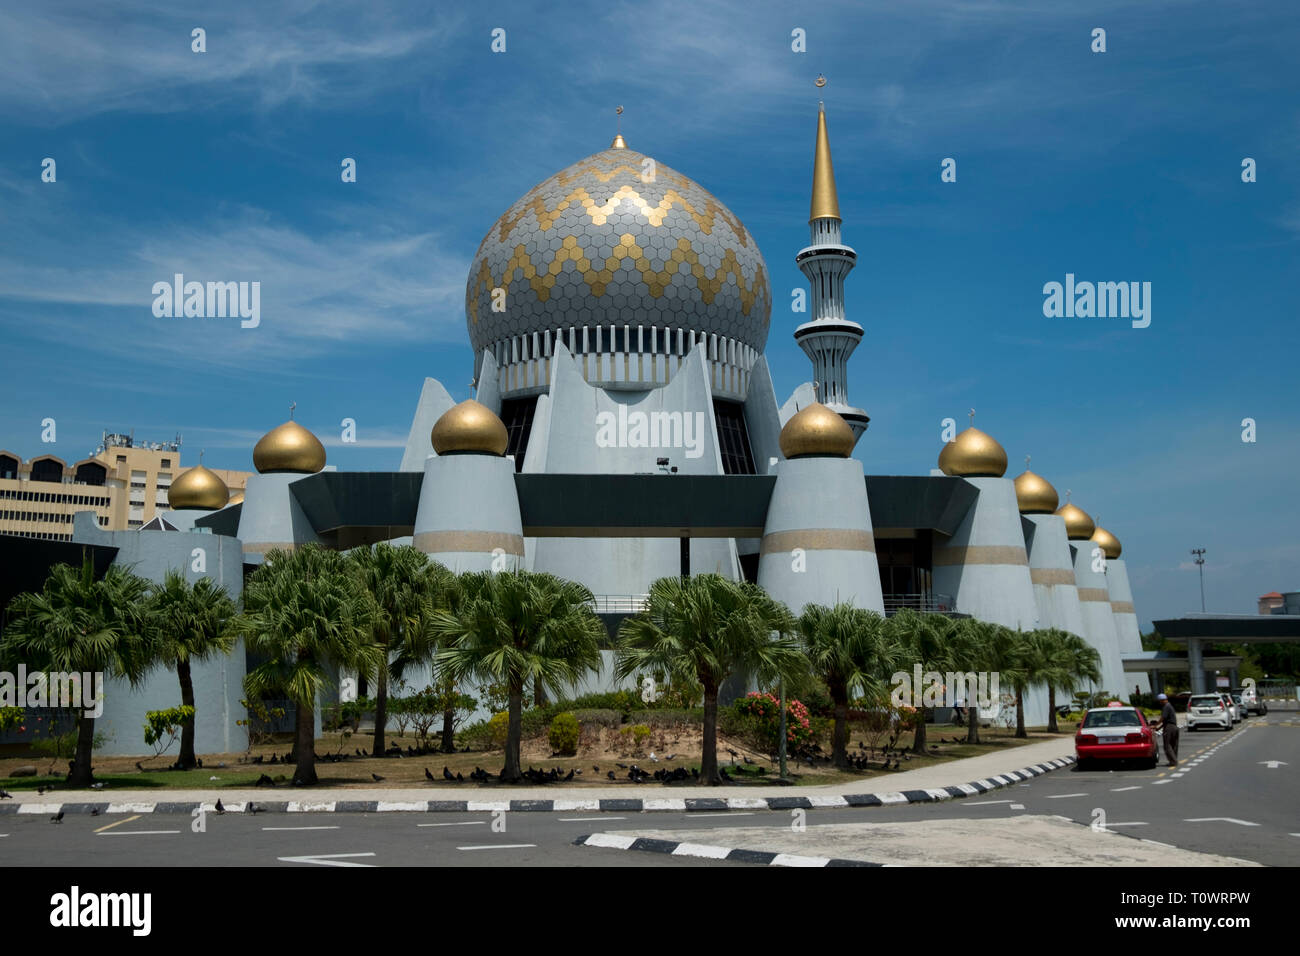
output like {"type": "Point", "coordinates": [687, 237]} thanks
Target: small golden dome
{"type": "Point", "coordinates": [236, 499]}
{"type": "Point", "coordinates": [1035, 494]}
{"type": "Point", "coordinates": [291, 448]}
{"type": "Point", "coordinates": [1078, 525]}
{"type": "Point", "coordinates": [973, 454]}
{"type": "Point", "coordinates": [1110, 545]}
{"type": "Point", "coordinates": [469, 426]}
{"type": "Point", "coordinates": [198, 488]}
{"type": "Point", "coordinates": [816, 430]}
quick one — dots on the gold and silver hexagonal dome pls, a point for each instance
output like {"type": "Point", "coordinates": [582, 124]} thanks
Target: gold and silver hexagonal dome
{"type": "Point", "coordinates": [602, 243]}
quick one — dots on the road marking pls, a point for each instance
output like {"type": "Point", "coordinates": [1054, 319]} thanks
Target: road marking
{"type": "Point", "coordinates": [326, 859]}
{"type": "Point", "coordinates": [1158, 843]}
{"type": "Point", "coordinates": [498, 846]}
{"type": "Point", "coordinates": [1243, 823]}
{"type": "Point", "coordinates": [985, 803]}
{"type": "Point", "coordinates": [463, 823]}
{"type": "Point", "coordinates": [1062, 796]}
{"type": "Point", "coordinates": [588, 819]}
{"type": "Point", "coordinates": [1016, 806]}
{"type": "Point", "coordinates": [1122, 789]}
{"type": "Point", "coordinates": [1273, 764]}
{"type": "Point", "coordinates": [697, 816]}
{"type": "Point", "coordinates": [1180, 773]}
{"type": "Point", "coordinates": [299, 828]}
{"type": "Point", "coordinates": [1135, 824]}
{"type": "Point", "coordinates": [118, 823]}
{"type": "Point", "coordinates": [140, 833]}
{"type": "Point", "coordinates": [1156, 783]}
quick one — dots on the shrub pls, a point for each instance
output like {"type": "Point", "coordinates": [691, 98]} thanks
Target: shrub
{"type": "Point", "coordinates": [564, 733]}
{"type": "Point", "coordinates": [763, 723]}
{"type": "Point", "coordinates": [498, 729]}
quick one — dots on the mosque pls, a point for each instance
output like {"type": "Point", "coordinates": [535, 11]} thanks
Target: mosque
{"type": "Point", "coordinates": [625, 427]}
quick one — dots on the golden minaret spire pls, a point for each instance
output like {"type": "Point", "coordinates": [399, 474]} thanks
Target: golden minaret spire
{"type": "Point", "coordinates": [825, 201]}
{"type": "Point", "coordinates": [619, 142]}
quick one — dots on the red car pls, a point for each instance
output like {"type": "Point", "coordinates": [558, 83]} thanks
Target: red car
{"type": "Point", "coordinates": [1115, 733]}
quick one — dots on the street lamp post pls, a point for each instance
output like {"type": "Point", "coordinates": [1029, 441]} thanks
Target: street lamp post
{"type": "Point", "coordinates": [1199, 554]}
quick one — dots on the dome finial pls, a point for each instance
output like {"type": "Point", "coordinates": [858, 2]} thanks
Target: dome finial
{"type": "Point", "coordinates": [619, 142]}
{"type": "Point", "coordinates": [825, 201]}
{"type": "Point", "coordinates": [292, 406]}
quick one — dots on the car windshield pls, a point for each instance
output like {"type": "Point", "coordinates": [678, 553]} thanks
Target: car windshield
{"type": "Point", "coordinates": [1111, 718]}
{"type": "Point", "coordinates": [1208, 700]}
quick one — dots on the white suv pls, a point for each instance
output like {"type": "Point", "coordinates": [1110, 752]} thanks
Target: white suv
{"type": "Point", "coordinates": [1208, 710]}
{"type": "Point", "coordinates": [1251, 701]}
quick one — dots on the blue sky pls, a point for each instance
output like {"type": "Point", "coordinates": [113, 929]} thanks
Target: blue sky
{"type": "Point", "coordinates": [1122, 166]}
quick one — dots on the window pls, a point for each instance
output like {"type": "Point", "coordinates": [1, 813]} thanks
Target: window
{"type": "Point", "coordinates": [517, 414]}
{"type": "Point", "coordinates": [166, 463]}
{"type": "Point", "coordinates": [737, 459]}
{"type": "Point", "coordinates": [47, 469]}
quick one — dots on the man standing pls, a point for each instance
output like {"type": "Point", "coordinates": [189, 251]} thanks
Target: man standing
{"type": "Point", "coordinates": [1169, 729]}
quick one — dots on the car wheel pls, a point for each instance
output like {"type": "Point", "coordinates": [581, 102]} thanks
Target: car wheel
{"type": "Point", "coordinates": [1150, 763]}
{"type": "Point", "coordinates": [1083, 763]}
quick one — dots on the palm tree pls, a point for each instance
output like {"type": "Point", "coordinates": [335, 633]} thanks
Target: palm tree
{"type": "Point", "coordinates": [438, 590]}
{"type": "Point", "coordinates": [1006, 651]}
{"type": "Point", "coordinates": [702, 630]}
{"type": "Point", "coordinates": [968, 650]}
{"type": "Point", "coordinates": [1079, 662]}
{"type": "Point", "coordinates": [922, 639]}
{"type": "Point", "coordinates": [516, 627]}
{"type": "Point", "coordinates": [304, 611]}
{"type": "Point", "coordinates": [394, 580]}
{"type": "Point", "coordinates": [191, 622]}
{"type": "Point", "coordinates": [77, 624]}
{"type": "Point", "coordinates": [850, 651]}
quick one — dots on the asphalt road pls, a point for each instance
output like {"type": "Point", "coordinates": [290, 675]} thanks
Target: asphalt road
{"type": "Point", "coordinates": [1223, 798]}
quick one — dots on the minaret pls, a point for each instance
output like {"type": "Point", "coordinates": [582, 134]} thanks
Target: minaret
{"type": "Point", "coordinates": [829, 338]}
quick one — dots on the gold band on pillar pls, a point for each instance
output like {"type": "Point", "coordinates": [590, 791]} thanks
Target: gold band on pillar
{"type": "Point", "coordinates": [1122, 607]}
{"type": "Point", "coordinates": [1051, 576]}
{"type": "Point", "coordinates": [1094, 594]}
{"type": "Point", "coordinates": [817, 539]}
{"type": "Point", "coordinates": [473, 542]}
{"type": "Point", "coordinates": [980, 554]}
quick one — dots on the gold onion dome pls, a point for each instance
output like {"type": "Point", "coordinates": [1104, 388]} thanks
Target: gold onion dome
{"type": "Point", "coordinates": [816, 430]}
{"type": "Point", "coordinates": [1035, 494]}
{"type": "Point", "coordinates": [1108, 543]}
{"type": "Point", "coordinates": [1078, 525]}
{"type": "Point", "coordinates": [469, 426]}
{"type": "Point", "coordinates": [973, 454]}
{"type": "Point", "coordinates": [291, 448]}
{"type": "Point", "coordinates": [199, 488]}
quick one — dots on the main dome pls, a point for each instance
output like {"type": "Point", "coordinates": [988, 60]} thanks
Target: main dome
{"type": "Point", "coordinates": [596, 245]}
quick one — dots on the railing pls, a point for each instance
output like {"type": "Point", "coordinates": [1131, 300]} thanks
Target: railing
{"type": "Point", "coordinates": [619, 603]}
{"type": "Point", "coordinates": [928, 603]}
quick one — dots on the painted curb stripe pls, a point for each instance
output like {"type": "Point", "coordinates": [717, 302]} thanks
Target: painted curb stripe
{"type": "Point", "coordinates": [607, 805]}
{"type": "Point", "coordinates": [707, 851]}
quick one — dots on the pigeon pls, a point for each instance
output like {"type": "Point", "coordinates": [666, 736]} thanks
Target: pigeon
{"type": "Point", "coordinates": [569, 777]}
{"type": "Point", "coordinates": [447, 774]}
{"type": "Point", "coordinates": [376, 778]}
{"type": "Point", "coordinates": [460, 778]}
{"type": "Point", "coordinates": [427, 775]}
{"type": "Point", "coordinates": [58, 817]}
{"type": "Point", "coordinates": [94, 811]}
{"type": "Point", "coordinates": [748, 761]}
{"type": "Point", "coordinates": [620, 766]}
{"type": "Point", "coordinates": [43, 789]}
{"type": "Point", "coordinates": [671, 757]}
{"type": "Point", "coordinates": [653, 758]}
{"type": "Point", "coordinates": [264, 781]}
{"type": "Point", "coordinates": [274, 759]}
{"type": "Point", "coordinates": [97, 786]}
{"type": "Point", "coordinates": [722, 771]}
{"type": "Point", "coordinates": [595, 768]}
{"type": "Point", "coordinates": [198, 762]}
{"type": "Point", "coordinates": [357, 751]}
{"type": "Point", "coordinates": [220, 808]}
{"type": "Point", "coordinates": [254, 808]}
{"type": "Point", "coordinates": [6, 795]}
{"type": "Point", "coordinates": [138, 767]}
{"type": "Point", "coordinates": [610, 775]}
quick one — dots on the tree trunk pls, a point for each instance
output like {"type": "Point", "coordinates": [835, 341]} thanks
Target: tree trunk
{"type": "Point", "coordinates": [381, 709]}
{"type": "Point", "coordinates": [709, 745]}
{"type": "Point", "coordinates": [840, 736]}
{"type": "Point", "coordinates": [449, 730]}
{"type": "Point", "coordinates": [512, 772]}
{"type": "Point", "coordinates": [186, 761]}
{"type": "Point", "coordinates": [972, 720]}
{"type": "Point", "coordinates": [304, 770]}
{"type": "Point", "coordinates": [918, 737]}
{"type": "Point", "coordinates": [80, 775]}
{"type": "Point", "coordinates": [1051, 711]}
{"type": "Point", "coordinates": [1020, 712]}
{"type": "Point", "coordinates": [539, 694]}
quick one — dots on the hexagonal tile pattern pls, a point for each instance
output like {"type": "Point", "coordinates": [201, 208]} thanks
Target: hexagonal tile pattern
{"type": "Point", "coordinates": [596, 241]}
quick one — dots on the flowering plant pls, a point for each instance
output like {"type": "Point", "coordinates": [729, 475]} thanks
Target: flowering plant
{"type": "Point", "coordinates": [766, 710]}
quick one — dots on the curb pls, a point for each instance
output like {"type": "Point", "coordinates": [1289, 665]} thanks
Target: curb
{"type": "Point", "coordinates": [709, 852]}
{"type": "Point", "coordinates": [603, 805]}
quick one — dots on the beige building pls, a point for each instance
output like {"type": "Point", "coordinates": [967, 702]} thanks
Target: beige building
{"type": "Point", "coordinates": [124, 482]}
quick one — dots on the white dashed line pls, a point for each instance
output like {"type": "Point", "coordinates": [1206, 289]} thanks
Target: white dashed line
{"type": "Point", "coordinates": [1158, 843]}
{"type": "Point", "coordinates": [588, 819]}
{"type": "Point", "coordinates": [1243, 823]}
{"type": "Point", "coordinates": [1062, 796]}
{"type": "Point", "coordinates": [139, 833]}
{"type": "Point", "coordinates": [985, 803]}
{"type": "Point", "coordinates": [1016, 806]}
{"type": "Point", "coordinates": [462, 823]}
{"type": "Point", "coordinates": [498, 846]}
{"type": "Point", "coordinates": [696, 816]}
{"type": "Point", "coordinates": [1134, 824]}
{"type": "Point", "coordinates": [299, 828]}
{"type": "Point", "coordinates": [1122, 789]}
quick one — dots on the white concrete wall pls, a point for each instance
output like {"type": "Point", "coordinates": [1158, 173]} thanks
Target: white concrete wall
{"type": "Point", "coordinates": [1098, 620]}
{"type": "Point", "coordinates": [1127, 632]}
